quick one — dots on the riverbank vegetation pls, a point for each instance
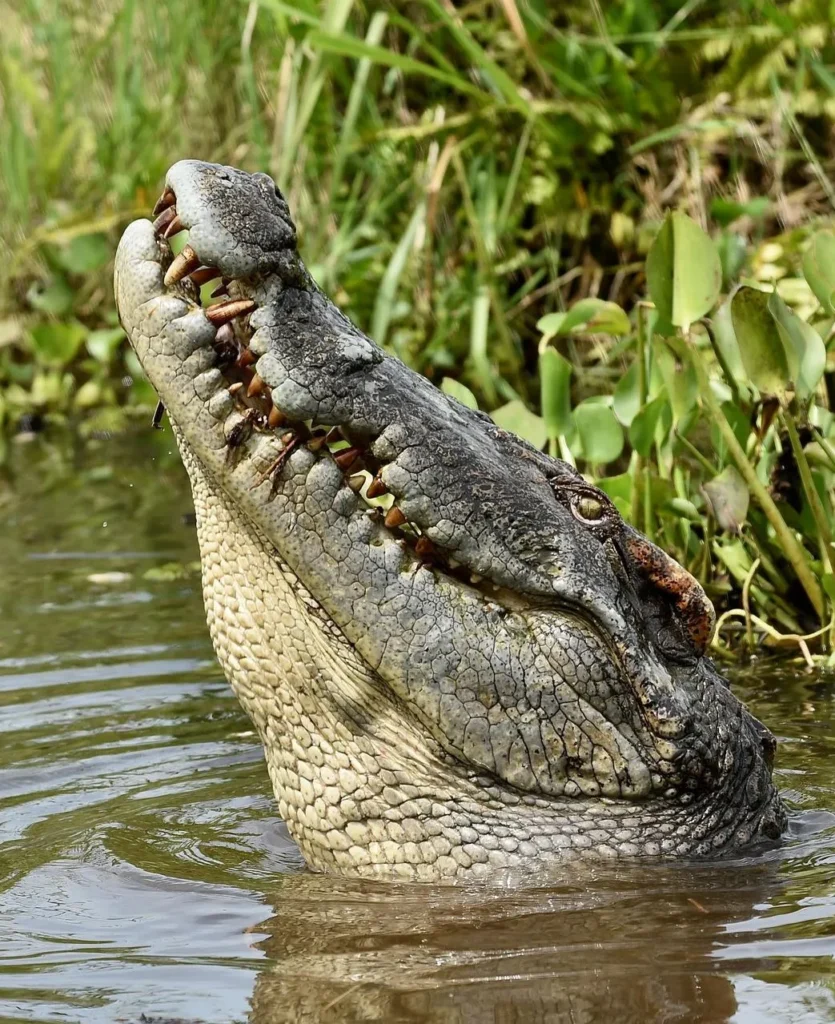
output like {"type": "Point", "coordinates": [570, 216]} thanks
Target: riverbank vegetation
{"type": "Point", "coordinates": [479, 186]}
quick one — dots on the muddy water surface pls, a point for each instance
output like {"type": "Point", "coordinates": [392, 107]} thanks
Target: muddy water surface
{"type": "Point", "coordinates": [145, 876]}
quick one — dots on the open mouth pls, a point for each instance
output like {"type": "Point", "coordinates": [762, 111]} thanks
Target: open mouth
{"type": "Point", "coordinates": [248, 410]}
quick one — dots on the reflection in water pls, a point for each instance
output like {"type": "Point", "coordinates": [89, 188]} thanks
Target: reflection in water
{"type": "Point", "coordinates": [143, 870]}
{"type": "Point", "coordinates": [631, 946]}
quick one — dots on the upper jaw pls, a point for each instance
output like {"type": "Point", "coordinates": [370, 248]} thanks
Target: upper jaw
{"type": "Point", "coordinates": [478, 496]}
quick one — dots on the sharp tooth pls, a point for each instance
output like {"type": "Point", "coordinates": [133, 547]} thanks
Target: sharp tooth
{"type": "Point", "coordinates": [376, 488]}
{"type": "Point", "coordinates": [247, 357]}
{"type": "Point", "coordinates": [220, 290]}
{"type": "Point", "coordinates": [204, 274]}
{"type": "Point", "coordinates": [276, 417]}
{"type": "Point", "coordinates": [424, 547]}
{"type": "Point", "coordinates": [174, 227]}
{"type": "Point", "coordinates": [165, 200]}
{"type": "Point", "coordinates": [346, 458]}
{"type": "Point", "coordinates": [183, 264]}
{"type": "Point", "coordinates": [164, 219]}
{"type": "Point", "coordinates": [334, 435]}
{"type": "Point", "coordinates": [256, 387]}
{"type": "Point", "coordinates": [223, 312]}
{"type": "Point", "coordinates": [356, 482]}
{"type": "Point", "coordinates": [233, 389]}
{"type": "Point", "coordinates": [316, 443]}
{"type": "Point", "coordinates": [394, 518]}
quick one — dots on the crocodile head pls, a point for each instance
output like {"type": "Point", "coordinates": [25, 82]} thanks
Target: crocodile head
{"type": "Point", "coordinates": [457, 655]}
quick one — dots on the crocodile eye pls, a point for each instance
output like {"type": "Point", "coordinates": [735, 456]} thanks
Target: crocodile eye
{"type": "Point", "coordinates": [585, 507]}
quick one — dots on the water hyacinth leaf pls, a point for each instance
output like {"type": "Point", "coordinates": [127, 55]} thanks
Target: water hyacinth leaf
{"type": "Point", "coordinates": [805, 351]}
{"type": "Point", "coordinates": [103, 343]}
{"type": "Point", "coordinates": [760, 345]}
{"type": "Point", "coordinates": [517, 418]}
{"type": "Point", "coordinates": [678, 378]}
{"type": "Point", "coordinates": [54, 296]}
{"type": "Point", "coordinates": [642, 432]}
{"type": "Point", "coordinates": [726, 211]}
{"type": "Point", "coordinates": [601, 436]}
{"type": "Point", "coordinates": [57, 343]}
{"type": "Point", "coordinates": [595, 316]}
{"type": "Point", "coordinates": [555, 384]}
{"type": "Point", "coordinates": [455, 389]}
{"type": "Point", "coordinates": [819, 269]}
{"type": "Point", "coordinates": [684, 273]}
{"type": "Point", "coordinates": [725, 338]}
{"type": "Point", "coordinates": [728, 498]}
{"type": "Point", "coordinates": [550, 324]}
{"type": "Point", "coordinates": [626, 400]}
{"type": "Point", "coordinates": [84, 254]}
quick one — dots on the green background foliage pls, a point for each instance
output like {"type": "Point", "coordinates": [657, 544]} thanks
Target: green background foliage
{"type": "Point", "coordinates": [483, 187]}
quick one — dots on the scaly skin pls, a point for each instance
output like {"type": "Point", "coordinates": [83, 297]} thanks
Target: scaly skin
{"type": "Point", "coordinates": [498, 675]}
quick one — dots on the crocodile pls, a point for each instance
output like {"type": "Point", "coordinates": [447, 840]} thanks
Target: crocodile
{"type": "Point", "coordinates": [460, 660]}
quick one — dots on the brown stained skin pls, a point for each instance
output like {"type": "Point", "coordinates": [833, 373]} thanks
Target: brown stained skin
{"type": "Point", "coordinates": [690, 601]}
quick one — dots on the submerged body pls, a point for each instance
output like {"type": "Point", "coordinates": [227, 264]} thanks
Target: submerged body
{"type": "Point", "coordinates": [459, 659]}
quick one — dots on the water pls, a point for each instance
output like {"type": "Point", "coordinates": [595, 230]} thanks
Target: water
{"type": "Point", "coordinates": [145, 875]}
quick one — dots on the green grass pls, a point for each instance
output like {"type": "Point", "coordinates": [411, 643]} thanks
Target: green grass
{"type": "Point", "coordinates": [457, 172]}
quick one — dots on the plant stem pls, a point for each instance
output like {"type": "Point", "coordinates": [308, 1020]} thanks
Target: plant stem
{"type": "Point", "coordinates": [789, 543]}
{"type": "Point", "coordinates": [811, 492]}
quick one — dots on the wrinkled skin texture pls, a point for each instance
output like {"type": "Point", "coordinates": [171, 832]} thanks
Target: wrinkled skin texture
{"type": "Point", "coordinates": [498, 676]}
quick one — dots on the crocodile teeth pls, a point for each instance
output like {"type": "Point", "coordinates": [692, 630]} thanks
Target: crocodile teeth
{"type": "Point", "coordinates": [164, 219]}
{"type": "Point", "coordinates": [356, 482]}
{"type": "Point", "coordinates": [183, 265]}
{"type": "Point", "coordinates": [347, 458]}
{"type": "Point", "coordinates": [247, 358]}
{"type": "Point", "coordinates": [233, 389]}
{"type": "Point", "coordinates": [394, 517]}
{"type": "Point", "coordinates": [424, 547]}
{"type": "Point", "coordinates": [316, 443]}
{"type": "Point", "coordinates": [223, 312]}
{"type": "Point", "coordinates": [175, 226]}
{"type": "Point", "coordinates": [276, 417]}
{"type": "Point", "coordinates": [165, 200]}
{"type": "Point", "coordinates": [334, 435]}
{"type": "Point", "coordinates": [204, 274]}
{"type": "Point", "coordinates": [376, 488]}
{"type": "Point", "coordinates": [257, 386]}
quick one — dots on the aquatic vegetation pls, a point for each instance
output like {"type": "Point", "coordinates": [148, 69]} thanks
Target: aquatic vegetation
{"type": "Point", "coordinates": [482, 187]}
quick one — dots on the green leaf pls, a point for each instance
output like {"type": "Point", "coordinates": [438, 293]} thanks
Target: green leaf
{"type": "Point", "coordinates": [102, 344]}
{"type": "Point", "coordinates": [54, 296]}
{"type": "Point", "coordinates": [725, 338]}
{"type": "Point", "coordinates": [626, 400]}
{"type": "Point", "coordinates": [642, 430]}
{"type": "Point", "coordinates": [518, 419]}
{"type": "Point", "coordinates": [550, 324]}
{"type": "Point", "coordinates": [760, 344]}
{"type": "Point", "coordinates": [84, 254]}
{"type": "Point", "coordinates": [805, 351]}
{"type": "Point", "coordinates": [594, 316]}
{"type": "Point", "coordinates": [555, 384]}
{"type": "Point", "coordinates": [725, 211]}
{"type": "Point", "coordinates": [684, 273]}
{"type": "Point", "coordinates": [455, 389]}
{"type": "Point", "coordinates": [679, 380]}
{"type": "Point", "coordinates": [819, 268]}
{"type": "Point", "coordinates": [601, 436]}
{"type": "Point", "coordinates": [728, 496]}
{"type": "Point", "coordinates": [57, 343]}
